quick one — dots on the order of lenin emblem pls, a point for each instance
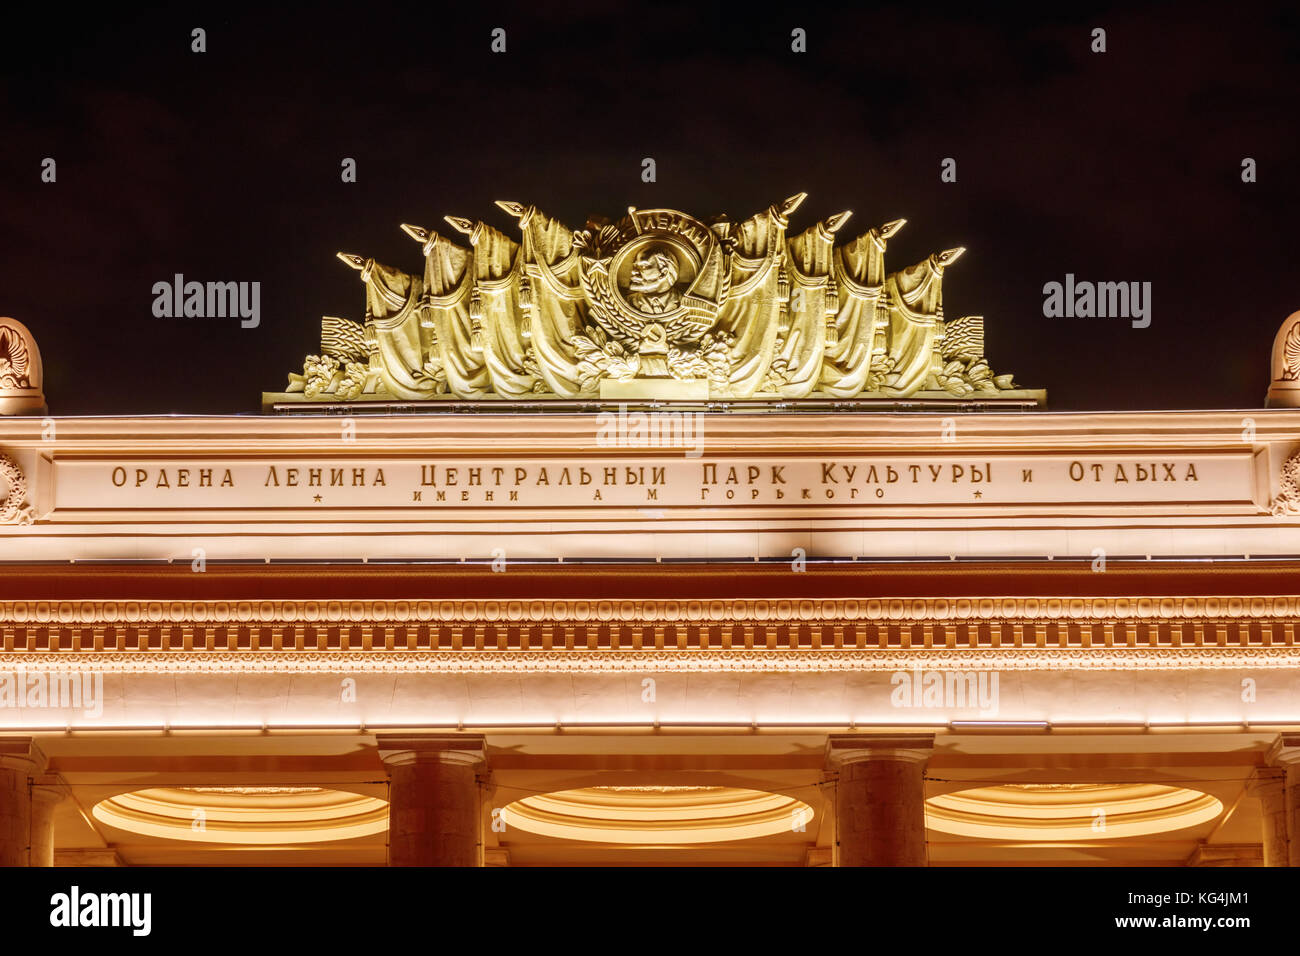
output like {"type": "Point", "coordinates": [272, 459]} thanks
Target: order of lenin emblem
{"type": "Point", "coordinates": [655, 281]}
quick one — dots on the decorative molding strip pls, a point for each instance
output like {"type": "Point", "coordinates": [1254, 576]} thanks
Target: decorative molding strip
{"type": "Point", "coordinates": [524, 612]}
{"type": "Point", "coordinates": [672, 660]}
{"type": "Point", "coordinates": [480, 634]}
{"type": "Point", "coordinates": [553, 640]}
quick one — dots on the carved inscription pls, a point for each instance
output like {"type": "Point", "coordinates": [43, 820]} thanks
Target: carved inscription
{"type": "Point", "coordinates": [863, 481]}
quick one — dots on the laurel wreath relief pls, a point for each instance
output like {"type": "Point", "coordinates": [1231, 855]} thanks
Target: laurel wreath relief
{"type": "Point", "coordinates": [15, 509]}
{"type": "Point", "coordinates": [1288, 502]}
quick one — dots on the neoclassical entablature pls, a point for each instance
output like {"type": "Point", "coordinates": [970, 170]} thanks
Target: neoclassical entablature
{"type": "Point", "coordinates": [401, 664]}
{"type": "Point", "coordinates": [584, 487]}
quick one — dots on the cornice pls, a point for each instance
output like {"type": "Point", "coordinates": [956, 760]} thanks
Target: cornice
{"type": "Point", "coordinates": [797, 634]}
{"type": "Point", "coordinates": [659, 661]}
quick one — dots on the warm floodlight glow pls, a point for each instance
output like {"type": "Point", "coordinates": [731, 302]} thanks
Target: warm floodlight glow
{"type": "Point", "coordinates": [1069, 811]}
{"type": "Point", "coordinates": [245, 815]}
{"type": "Point", "coordinates": [665, 816]}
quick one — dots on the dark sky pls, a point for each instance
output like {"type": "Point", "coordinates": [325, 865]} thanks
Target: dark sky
{"type": "Point", "coordinates": [226, 166]}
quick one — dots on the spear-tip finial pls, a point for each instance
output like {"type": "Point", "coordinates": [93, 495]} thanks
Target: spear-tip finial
{"type": "Point", "coordinates": [948, 256]}
{"type": "Point", "coordinates": [418, 233]}
{"type": "Point", "coordinates": [461, 225]}
{"type": "Point", "coordinates": [888, 230]}
{"type": "Point", "coordinates": [788, 206]}
{"type": "Point", "coordinates": [833, 223]}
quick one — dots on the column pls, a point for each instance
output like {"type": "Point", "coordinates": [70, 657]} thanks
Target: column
{"type": "Point", "coordinates": [1268, 784]}
{"type": "Point", "coordinates": [879, 798]}
{"type": "Point", "coordinates": [20, 760]}
{"type": "Point", "coordinates": [491, 823]}
{"type": "Point", "coordinates": [1285, 755]}
{"type": "Point", "coordinates": [433, 794]}
{"type": "Point", "coordinates": [47, 792]}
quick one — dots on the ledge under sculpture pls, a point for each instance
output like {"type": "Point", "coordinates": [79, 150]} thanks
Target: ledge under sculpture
{"type": "Point", "coordinates": [655, 306]}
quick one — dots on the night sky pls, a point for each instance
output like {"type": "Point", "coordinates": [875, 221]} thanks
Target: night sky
{"type": "Point", "coordinates": [225, 166]}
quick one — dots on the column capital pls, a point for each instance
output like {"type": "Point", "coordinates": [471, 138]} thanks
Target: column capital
{"type": "Point", "coordinates": [1266, 780]}
{"type": "Point", "coordinates": [1285, 751]}
{"type": "Point", "coordinates": [49, 788]}
{"type": "Point", "coordinates": [87, 856]}
{"type": "Point", "coordinates": [819, 856]}
{"type": "Point", "coordinates": [22, 753]}
{"type": "Point", "coordinates": [842, 749]}
{"type": "Point", "coordinates": [1227, 854]}
{"type": "Point", "coordinates": [462, 749]}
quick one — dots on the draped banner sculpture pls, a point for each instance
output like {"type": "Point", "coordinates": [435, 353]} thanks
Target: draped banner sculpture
{"type": "Point", "coordinates": [655, 306]}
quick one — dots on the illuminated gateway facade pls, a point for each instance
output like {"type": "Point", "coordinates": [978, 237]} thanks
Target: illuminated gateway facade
{"type": "Point", "coordinates": [653, 542]}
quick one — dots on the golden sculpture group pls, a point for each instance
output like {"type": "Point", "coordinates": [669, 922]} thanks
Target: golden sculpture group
{"type": "Point", "coordinates": [658, 305]}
